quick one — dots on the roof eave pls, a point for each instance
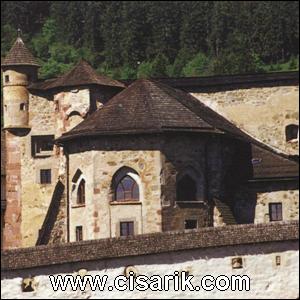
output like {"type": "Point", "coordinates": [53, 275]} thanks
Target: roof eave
{"type": "Point", "coordinates": [19, 64]}
{"type": "Point", "coordinates": [67, 137]}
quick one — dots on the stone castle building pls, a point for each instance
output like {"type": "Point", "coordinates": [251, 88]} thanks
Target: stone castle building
{"type": "Point", "coordinates": [88, 157]}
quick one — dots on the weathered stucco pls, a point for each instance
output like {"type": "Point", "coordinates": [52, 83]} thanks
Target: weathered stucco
{"type": "Point", "coordinates": [267, 280]}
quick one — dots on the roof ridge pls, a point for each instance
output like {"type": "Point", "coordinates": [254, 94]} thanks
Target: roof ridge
{"type": "Point", "coordinates": [151, 104]}
{"type": "Point", "coordinates": [166, 89]}
{"type": "Point", "coordinates": [160, 86]}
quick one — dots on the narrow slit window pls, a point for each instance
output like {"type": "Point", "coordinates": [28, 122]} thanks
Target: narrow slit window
{"type": "Point", "coordinates": [81, 193]}
{"type": "Point", "coordinates": [23, 107]}
{"type": "Point", "coordinates": [79, 234]}
{"type": "Point", "coordinates": [6, 78]}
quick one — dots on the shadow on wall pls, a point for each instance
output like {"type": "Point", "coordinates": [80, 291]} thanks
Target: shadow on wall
{"type": "Point", "coordinates": [51, 216]}
{"type": "Point", "coordinates": [245, 199]}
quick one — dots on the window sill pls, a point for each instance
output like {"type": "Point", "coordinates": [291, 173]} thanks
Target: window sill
{"type": "Point", "coordinates": [192, 202]}
{"type": "Point", "coordinates": [42, 156]}
{"type": "Point", "coordinates": [292, 141]}
{"type": "Point", "coordinates": [125, 203]}
{"type": "Point", "coordinates": [78, 206]}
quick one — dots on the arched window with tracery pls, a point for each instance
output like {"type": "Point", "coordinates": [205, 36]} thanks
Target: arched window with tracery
{"type": "Point", "coordinates": [186, 189]}
{"type": "Point", "coordinates": [81, 193]}
{"type": "Point", "coordinates": [127, 190]}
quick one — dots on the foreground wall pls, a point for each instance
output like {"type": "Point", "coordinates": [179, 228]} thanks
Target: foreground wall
{"type": "Point", "coordinates": [268, 252]}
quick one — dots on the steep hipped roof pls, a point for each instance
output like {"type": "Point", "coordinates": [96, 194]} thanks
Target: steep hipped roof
{"type": "Point", "coordinates": [145, 106]}
{"type": "Point", "coordinates": [81, 74]}
{"type": "Point", "coordinates": [152, 107]}
{"type": "Point", "coordinates": [19, 55]}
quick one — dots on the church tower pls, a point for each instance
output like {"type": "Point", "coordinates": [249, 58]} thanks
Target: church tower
{"type": "Point", "coordinates": [19, 69]}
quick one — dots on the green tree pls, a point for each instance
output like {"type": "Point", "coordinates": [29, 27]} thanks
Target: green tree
{"type": "Point", "coordinates": [159, 66]}
{"type": "Point", "coordinates": [144, 70]}
{"type": "Point", "coordinates": [198, 66]}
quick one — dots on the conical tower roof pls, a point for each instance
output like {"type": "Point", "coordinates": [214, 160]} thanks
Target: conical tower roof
{"type": "Point", "coordinates": [19, 55]}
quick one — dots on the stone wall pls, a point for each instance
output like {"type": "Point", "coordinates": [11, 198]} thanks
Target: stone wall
{"type": "Point", "coordinates": [99, 217]}
{"type": "Point", "coordinates": [45, 117]}
{"type": "Point", "coordinates": [211, 161]}
{"type": "Point", "coordinates": [261, 111]}
{"type": "Point", "coordinates": [13, 213]}
{"type": "Point", "coordinates": [158, 164]}
{"type": "Point", "coordinates": [159, 161]}
{"type": "Point", "coordinates": [289, 200]}
{"type": "Point", "coordinates": [251, 201]}
{"type": "Point", "coordinates": [269, 254]}
{"type": "Point", "coordinates": [35, 196]}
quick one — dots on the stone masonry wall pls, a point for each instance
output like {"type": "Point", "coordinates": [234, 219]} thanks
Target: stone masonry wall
{"type": "Point", "coordinates": [46, 117]}
{"type": "Point", "coordinates": [209, 161]}
{"type": "Point", "coordinates": [251, 202]}
{"type": "Point", "coordinates": [263, 112]}
{"type": "Point", "coordinates": [35, 196]}
{"type": "Point", "coordinates": [13, 214]}
{"type": "Point", "coordinates": [99, 217]}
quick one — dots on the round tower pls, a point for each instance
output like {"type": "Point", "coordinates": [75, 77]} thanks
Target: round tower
{"type": "Point", "coordinates": [19, 69]}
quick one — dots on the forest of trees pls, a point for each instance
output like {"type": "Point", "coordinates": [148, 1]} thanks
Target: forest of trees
{"type": "Point", "coordinates": [134, 39]}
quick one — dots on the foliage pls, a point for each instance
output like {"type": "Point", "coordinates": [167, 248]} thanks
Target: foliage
{"type": "Point", "coordinates": [134, 39]}
{"type": "Point", "coordinates": [198, 66]}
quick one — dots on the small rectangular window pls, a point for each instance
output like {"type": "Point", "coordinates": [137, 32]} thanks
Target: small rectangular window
{"type": "Point", "coordinates": [45, 176]}
{"type": "Point", "coordinates": [23, 107]}
{"type": "Point", "coordinates": [79, 236]}
{"type": "Point", "coordinates": [291, 132]}
{"type": "Point", "coordinates": [190, 224]}
{"type": "Point", "coordinates": [275, 211]}
{"type": "Point", "coordinates": [126, 228]}
{"type": "Point", "coordinates": [42, 146]}
{"type": "Point", "coordinates": [6, 78]}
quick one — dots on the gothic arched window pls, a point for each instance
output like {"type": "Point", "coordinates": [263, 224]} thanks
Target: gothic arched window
{"type": "Point", "coordinates": [127, 190]}
{"type": "Point", "coordinates": [186, 189]}
{"type": "Point", "coordinates": [81, 192]}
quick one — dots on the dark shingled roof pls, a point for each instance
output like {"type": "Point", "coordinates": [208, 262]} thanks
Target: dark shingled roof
{"type": "Point", "coordinates": [272, 165]}
{"type": "Point", "coordinates": [19, 55]}
{"type": "Point", "coordinates": [148, 106]}
{"type": "Point", "coordinates": [81, 74]}
{"type": "Point", "coordinates": [145, 106]}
